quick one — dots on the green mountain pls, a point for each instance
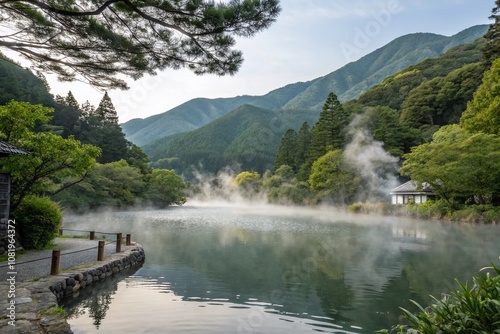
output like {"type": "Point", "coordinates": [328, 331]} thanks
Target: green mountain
{"type": "Point", "coordinates": [404, 110]}
{"type": "Point", "coordinates": [348, 82]}
{"type": "Point", "coordinates": [247, 137]}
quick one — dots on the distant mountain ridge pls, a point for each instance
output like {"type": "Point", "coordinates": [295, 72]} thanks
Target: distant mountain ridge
{"type": "Point", "coordinates": [347, 82]}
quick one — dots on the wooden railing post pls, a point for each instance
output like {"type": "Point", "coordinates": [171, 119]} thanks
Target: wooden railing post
{"type": "Point", "coordinates": [56, 258]}
{"type": "Point", "coordinates": [118, 242]}
{"type": "Point", "coordinates": [128, 240]}
{"type": "Point", "coordinates": [100, 251]}
{"type": "Point", "coordinates": [92, 235]}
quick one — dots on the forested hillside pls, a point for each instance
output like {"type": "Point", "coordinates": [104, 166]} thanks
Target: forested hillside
{"type": "Point", "coordinates": [348, 82]}
{"type": "Point", "coordinates": [246, 138]}
{"type": "Point", "coordinates": [395, 112]}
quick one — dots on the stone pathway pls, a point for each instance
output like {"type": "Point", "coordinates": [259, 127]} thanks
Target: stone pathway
{"type": "Point", "coordinates": [36, 309]}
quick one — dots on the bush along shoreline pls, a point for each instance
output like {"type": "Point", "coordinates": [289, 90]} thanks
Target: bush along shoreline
{"type": "Point", "coordinates": [469, 308]}
{"type": "Point", "coordinates": [435, 210]}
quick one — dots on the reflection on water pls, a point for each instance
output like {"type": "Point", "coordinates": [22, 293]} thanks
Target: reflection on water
{"type": "Point", "coordinates": [233, 270]}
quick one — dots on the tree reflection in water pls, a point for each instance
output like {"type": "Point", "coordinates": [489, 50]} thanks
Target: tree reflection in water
{"type": "Point", "coordinates": [96, 298]}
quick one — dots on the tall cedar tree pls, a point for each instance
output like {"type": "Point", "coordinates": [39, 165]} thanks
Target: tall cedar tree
{"type": "Point", "coordinates": [303, 146]}
{"type": "Point", "coordinates": [492, 49]}
{"type": "Point", "coordinates": [106, 110]}
{"type": "Point", "coordinates": [331, 129]}
{"type": "Point", "coordinates": [286, 150]}
{"type": "Point", "coordinates": [96, 41]}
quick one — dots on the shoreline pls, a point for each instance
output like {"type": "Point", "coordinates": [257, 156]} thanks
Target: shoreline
{"type": "Point", "coordinates": [35, 306]}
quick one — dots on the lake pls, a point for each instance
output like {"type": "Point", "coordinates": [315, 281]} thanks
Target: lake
{"type": "Point", "coordinates": [270, 269]}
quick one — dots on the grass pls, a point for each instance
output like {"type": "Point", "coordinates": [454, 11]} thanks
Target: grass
{"type": "Point", "coordinates": [52, 311]}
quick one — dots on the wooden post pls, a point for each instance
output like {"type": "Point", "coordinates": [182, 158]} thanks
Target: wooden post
{"type": "Point", "coordinates": [56, 258]}
{"type": "Point", "coordinates": [100, 251]}
{"type": "Point", "coordinates": [92, 235]}
{"type": "Point", "coordinates": [128, 240]}
{"type": "Point", "coordinates": [118, 242]}
{"type": "Point", "coordinates": [60, 232]}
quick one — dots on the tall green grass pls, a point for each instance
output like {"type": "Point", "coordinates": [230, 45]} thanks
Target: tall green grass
{"type": "Point", "coordinates": [473, 309]}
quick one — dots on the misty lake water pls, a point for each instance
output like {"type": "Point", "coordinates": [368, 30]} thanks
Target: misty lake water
{"type": "Point", "coordinates": [265, 269]}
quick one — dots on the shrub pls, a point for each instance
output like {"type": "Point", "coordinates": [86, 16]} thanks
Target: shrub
{"type": "Point", "coordinates": [38, 220]}
{"type": "Point", "coordinates": [468, 309]}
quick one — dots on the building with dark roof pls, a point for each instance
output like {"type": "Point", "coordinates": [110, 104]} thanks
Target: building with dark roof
{"type": "Point", "coordinates": [410, 192]}
{"type": "Point", "coordinates": [7, 149]}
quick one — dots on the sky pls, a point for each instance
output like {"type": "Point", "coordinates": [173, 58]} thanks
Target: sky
{"type": "Point", "coordinates": [310, 39]}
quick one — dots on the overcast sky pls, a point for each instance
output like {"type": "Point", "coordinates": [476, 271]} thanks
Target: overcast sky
{"type": "Point", "coordinates": [311, 38]}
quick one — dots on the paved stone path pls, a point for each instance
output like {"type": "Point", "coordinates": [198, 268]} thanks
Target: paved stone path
{"type": "Point", "coordinates": [35, 309]}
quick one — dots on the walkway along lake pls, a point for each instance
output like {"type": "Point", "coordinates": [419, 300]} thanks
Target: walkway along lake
{"type": "Point", "coordinates": [271, 270]}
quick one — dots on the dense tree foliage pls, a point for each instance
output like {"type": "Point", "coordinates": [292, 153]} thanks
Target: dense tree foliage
{"type": "Point", "coordinates": [286, 150]}
{"type": "Point", "coordinates": [458, 165]}
{"type": "Point", "coordinates": [95, 42]}
{"type": "Point", "coordinates": [120, 185]}
{"type": "Point", "coordinates": [39, 220]}
{"type": "Point", "coordinates": [482, 113]}
{"type": "Point", "coordinates": [246, 139]}
{"type": "Point", "coordinates": [441, 101]}
{"type": "Point", "coordinates": [283, 187]}
{"type": "Point", "coordinates": [330, 131]}
{"type": "Point", "coordinates": [492, 36]}
{"type": "Point", "coordinates": [53, 163]}
{"type": "Point", "coordinates": [333, 179]}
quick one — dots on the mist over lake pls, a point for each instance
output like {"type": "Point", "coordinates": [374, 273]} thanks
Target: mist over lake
{"type": "Point", "coordinates": [270, 269]}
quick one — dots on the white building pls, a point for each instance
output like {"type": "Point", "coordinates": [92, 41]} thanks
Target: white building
{"type": "Point", "coordinates": [408, 192]}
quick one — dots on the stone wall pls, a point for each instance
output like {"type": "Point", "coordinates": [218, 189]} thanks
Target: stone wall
{"type": "Point", "coordinates": [68, 284]}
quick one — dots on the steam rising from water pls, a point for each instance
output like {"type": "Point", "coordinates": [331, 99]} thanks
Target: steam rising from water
{"type": "Point", "coordinates": [376, 166]}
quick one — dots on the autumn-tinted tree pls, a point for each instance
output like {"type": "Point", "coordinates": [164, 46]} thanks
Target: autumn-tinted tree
{"type": "Point", "coordinates": [97, 41]}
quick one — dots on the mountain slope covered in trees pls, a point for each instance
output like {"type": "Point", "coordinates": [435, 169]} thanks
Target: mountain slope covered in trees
{"type": "Point", "coordinates": [389, 111]}
{"type": "Point", "coordinates": [348, 82]}
{"type": "Point", "coordinates": [247, 138]}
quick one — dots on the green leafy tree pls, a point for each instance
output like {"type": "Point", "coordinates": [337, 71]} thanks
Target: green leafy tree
{"type": "Point", "coordinates": [383, 123]}
{"type": "Point", "coordinates": [457, 165]}
{"type": "Point", "coordinates": [333, 179]}
{"type": "Point", "coordinates": [113, 185]}
{"type": "Point", "coordinates": [284, 188]}
{"type": "Point", "coordinates": [97, 41]}
{"type": "Point", "coordinates": [442, 100]}
{"type": "Point", "coordinates": [482, 113]}
{"type": "Point", "coordinates": [165, 188]}
{"type": "Point", "coordinates": [331, 129]}
{"type": "Point", "coordinates": [54, 163]}
{"type": "Point", "coordinates": [248, 182]}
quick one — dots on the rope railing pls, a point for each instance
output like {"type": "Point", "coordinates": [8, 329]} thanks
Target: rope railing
{"type": "Point", "coordinates": [56, 254]}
